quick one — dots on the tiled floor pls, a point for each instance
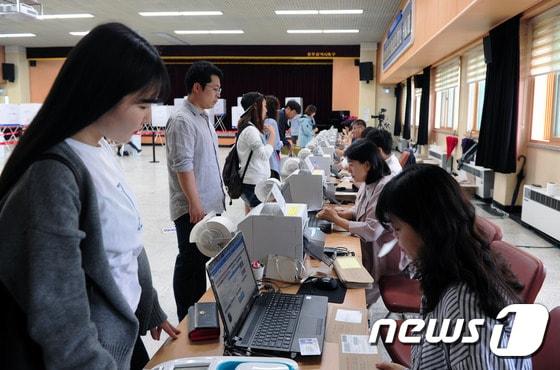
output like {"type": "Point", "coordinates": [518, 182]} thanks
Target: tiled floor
{"type": "Point", "coordinates": [149, 181]}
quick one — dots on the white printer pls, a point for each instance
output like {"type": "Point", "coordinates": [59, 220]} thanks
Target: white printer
{"type": "Point", "coordinates": [271, 230]}
{"type": "Point", "coordinates": [305, 187]}
{"type": "Point", "coordinates": [321, 162]}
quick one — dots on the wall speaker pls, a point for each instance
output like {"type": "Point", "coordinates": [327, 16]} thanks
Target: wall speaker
{"type": "Point", "coordinates": [33, 63]}
{"type": "Point", "coordinates": [356, 62]}
{"type": "Point", "coordinates": [486, 42]}
{"type": "Point", "coordinates": [366, 71]}
{"type": "Point", "coordinates": [9, 72]}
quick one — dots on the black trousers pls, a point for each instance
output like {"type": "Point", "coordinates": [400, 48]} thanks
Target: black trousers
{"type": "Point", "coordinates": [189, 277]}
{"type": "Point", "coordinates": [139, 355]}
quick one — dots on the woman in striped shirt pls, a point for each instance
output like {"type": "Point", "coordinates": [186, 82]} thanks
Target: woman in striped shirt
{"type": "Point", "coordinates": [461, 277]}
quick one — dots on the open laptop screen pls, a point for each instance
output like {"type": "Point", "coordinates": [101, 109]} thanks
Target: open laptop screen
{"type": "Point", "coordinates": [233, 282]}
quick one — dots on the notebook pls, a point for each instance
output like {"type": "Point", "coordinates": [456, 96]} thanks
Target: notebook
{"type": "Point", "coordinates": [263, 323]}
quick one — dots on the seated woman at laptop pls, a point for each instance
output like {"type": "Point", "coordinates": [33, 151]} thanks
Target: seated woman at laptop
{"type": "Point", "coordinates": [371, 171]}
{"type": "Point", "coordinates": [461, 277]}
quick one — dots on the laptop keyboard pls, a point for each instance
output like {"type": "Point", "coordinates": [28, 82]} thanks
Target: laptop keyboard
{"type": "Point", "coordinates": [279, 321]}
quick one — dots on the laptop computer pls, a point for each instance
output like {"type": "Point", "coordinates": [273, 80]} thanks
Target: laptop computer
{"type": "Point", "coordinates": [288, 325]}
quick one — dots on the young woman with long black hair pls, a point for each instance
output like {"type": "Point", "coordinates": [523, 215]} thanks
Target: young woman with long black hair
{"type": "Point", "coordinates": [255, 145]}
{"type": "Point", "coordinates": [461, 277]}
{"type": "Point", "coordinates": [75, 281]}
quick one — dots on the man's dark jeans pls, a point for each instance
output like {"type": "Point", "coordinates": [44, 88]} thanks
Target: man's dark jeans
{"type": "Point", "coordinates": [189, 277]}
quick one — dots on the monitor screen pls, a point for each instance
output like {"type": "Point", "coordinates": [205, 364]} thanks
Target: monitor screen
{"type": "Point", "coordinates": [233, 282]}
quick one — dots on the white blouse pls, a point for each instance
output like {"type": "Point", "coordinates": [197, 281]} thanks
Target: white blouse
{"type": "Point", "coordinates": [259, 165]}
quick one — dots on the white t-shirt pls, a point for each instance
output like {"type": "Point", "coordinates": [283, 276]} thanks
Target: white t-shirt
{"type": "Point", "coordinates": [394, 164]}
{"type": "Point", "coordinates": [121, 225]}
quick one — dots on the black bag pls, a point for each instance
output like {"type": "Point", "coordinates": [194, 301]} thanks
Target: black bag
{"type": "Point", "coordinates": [232, 181]}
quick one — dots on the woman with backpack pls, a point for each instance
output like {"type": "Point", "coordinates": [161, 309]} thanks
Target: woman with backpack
{"type": "Point", "coordinates": [253, 149]}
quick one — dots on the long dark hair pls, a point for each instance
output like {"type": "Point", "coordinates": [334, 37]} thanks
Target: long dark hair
{"type": "Point", "coordinates": [364, 151]}
{"type": "Point", "coordinates": [428, 199]}
{"type": "Point", "coordinates": [253, 113]}
{"type": "Point", "coordinates": [109, 63]}
{"type": "Point", "coordinates": [272, 105]}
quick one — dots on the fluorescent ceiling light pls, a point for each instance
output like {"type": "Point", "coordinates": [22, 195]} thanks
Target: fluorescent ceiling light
{"type": "Point", "coordinates": [305, 31]}
{"type": "Point", "coordinates": [175, 14]}
{"type": "Point", "coordinates": [315, 12]}
{"type": "Point", "coordinates": [79, 33]}
{"type": "Point", "coordinates": [323, 31]}
{"type": "Point", "coordinates": [64, 16]}
{"type": "Point", "coordinates": [341, 31]}
{"type": "Point", "coordinates": [208, 32]}
{"type": "Point", "coordinates": [5, 35]}
{"type": "Point", "coordinates": [341, 11]}
{"type": "Point", "coordinates": [296, 12]}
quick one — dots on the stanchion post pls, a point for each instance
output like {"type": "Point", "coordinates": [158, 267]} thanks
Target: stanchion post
{"type": "Point", "coordinates": [153, 147]}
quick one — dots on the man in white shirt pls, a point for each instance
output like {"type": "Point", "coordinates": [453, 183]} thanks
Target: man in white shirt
{"type": "Point", "coordinates": [195, 181]}
{"type": "Point", "coordinates": [384, 141]}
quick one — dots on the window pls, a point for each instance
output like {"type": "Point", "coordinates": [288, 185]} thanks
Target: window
{"type": "Point", "coordinates": [545, 76]}
{"type": "Point", "coordinates": [403, 104]}
{"type": "Point", "coordinates": [415, 105]}
{"type": "Point", "coordinates": [476, 82]}
{"type": "Point", "coordinates": [447, 94]}
{"type": "Point", "coordinates": [417, 97]}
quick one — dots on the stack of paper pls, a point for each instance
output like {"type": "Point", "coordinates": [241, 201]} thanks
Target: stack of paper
{"type": "Point", "coordinates": [352, 273]}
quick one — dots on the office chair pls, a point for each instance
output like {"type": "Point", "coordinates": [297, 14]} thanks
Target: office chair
{"type": "Point", "coordinates": [400, 353]}
{"type": "Point", "coordinates": [548, 354]}
{"type": "Point", "coordinates": [528, 269]}
{"type": "Point", "coordinates": [401, 294]}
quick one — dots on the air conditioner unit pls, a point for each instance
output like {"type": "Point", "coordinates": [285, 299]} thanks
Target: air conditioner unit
{"type": "Point", "coordinates": [18, 9]}
{"type": "Point", "coordinates": [440, 156]}
{"type": "Point", "coordinates": [483, 178]}
{"type": "Point", "coordinates": [541, 211]}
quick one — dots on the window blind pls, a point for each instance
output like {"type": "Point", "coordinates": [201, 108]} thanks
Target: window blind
{"type": "Point", "coordinates": [448, 75]}
{"type": "Point", "coordinates": [476, 68]}
{"type": "Point", "coordinates": [545, 43]}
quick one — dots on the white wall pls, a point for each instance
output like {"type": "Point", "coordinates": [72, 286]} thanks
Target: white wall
{"type": "Point", "coordinates": [18, 91]}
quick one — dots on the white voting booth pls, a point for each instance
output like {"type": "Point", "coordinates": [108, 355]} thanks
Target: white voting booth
{"type": "Point", "coordinates": [218, 113]}
{"type": "Point", "coordinates": [160, 116]}
{"type": "Point", "coordinates": [236, 113]}
{"type": "Point", "coordinates": [27, 112]}
{"type": "Point", "coordinates": [299, 99]}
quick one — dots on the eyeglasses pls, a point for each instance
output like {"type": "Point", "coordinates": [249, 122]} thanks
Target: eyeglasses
{"type": "Point", "coordinates": [217, 90]}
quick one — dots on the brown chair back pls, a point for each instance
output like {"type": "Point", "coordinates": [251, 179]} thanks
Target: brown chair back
{"type": "Point", "coordinates": [548, 354]}
{"type": "Point", "coordinates": [528, 269]}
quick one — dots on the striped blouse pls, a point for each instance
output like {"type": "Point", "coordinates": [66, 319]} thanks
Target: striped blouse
{"type": "Point", "coordinates": [459, 302]}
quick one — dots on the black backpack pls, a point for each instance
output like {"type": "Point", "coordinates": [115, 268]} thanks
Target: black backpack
{"type": "Point", "coordinates": [232, 181]}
